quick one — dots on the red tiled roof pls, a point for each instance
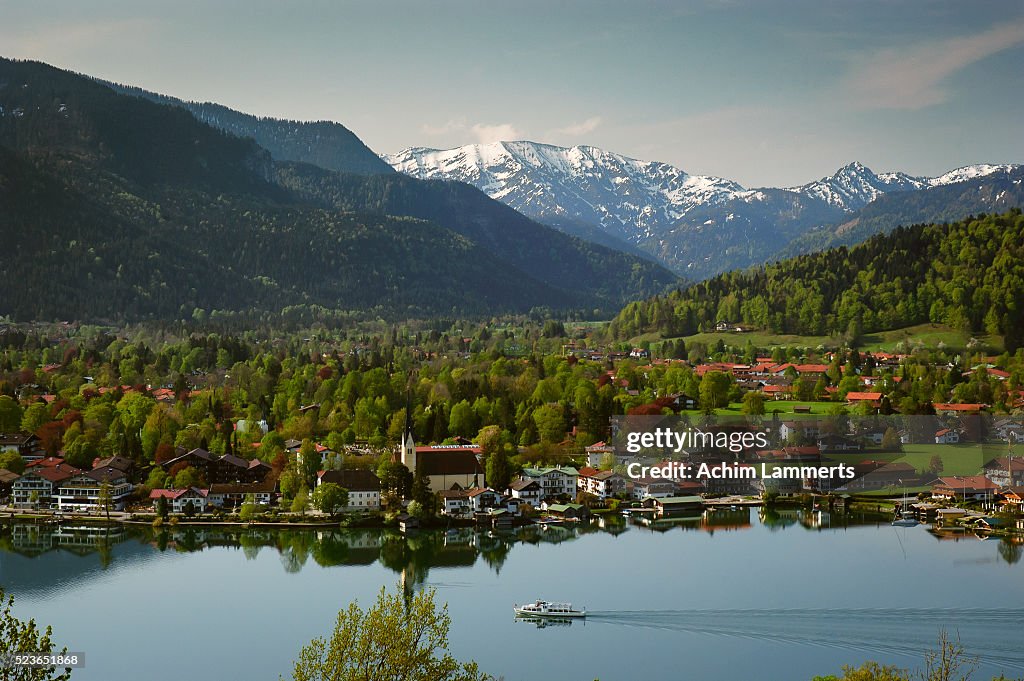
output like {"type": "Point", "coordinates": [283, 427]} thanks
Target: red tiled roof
{"type": "Point", "coordinates": [57, 473]}
{"type": "Point", "coordinates": [46, 462]}
{"type": "Point", "coordinates": [175, 493]}
{"type": "Point", "coordinates": [868, 397]}
{"type": "Point", "coordinates": [959, 407]}
{"type": "Point", "coordinates": [972, 482]}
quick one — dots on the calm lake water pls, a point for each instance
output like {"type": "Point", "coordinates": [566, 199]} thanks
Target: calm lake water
{"type": "Point", "coordinates": [730, 595]}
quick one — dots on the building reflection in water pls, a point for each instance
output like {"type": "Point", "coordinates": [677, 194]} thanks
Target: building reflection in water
{"type": "Point", "coordinates": [411, 555]}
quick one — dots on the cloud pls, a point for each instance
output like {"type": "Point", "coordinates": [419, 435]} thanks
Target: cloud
{"type": "Point", "coordinates": [577, 129]}
{"type": "Point", "coordinates": [501, 132]}
{"type": "Point", "coordinates": [912, 77]}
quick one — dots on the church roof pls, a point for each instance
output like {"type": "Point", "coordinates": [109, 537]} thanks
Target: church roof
{"type": "Point", "coordinates": [448, 461]}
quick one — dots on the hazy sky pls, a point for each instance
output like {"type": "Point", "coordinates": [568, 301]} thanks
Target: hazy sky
{"type": "Point", "coordinates": [766, 93]}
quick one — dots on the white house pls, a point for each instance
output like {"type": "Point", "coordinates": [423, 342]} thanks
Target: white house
{"type": "Point", "coordinates": [527, 491]}
{"type": "Point", "coordinates": [234, 494]}
{"type": "Point", "coordinates": [596, 453]}
{"type": "Point", "coordinates": [947, 436]}
{"type": "Point", "coordinates": [601, 484]}
{"type": "Point", "coordinates": [177, 499]}
{"type": "Point", "coordinates": [799, 429]}
{"type": "Point", "coordinates": [82, 492]}
{"type": "Point", "coordinates": [363, 487]}
{"type": "Point", "coordinates": [483, 498]}
{"type": "Point", "coordinates": [645, 488]}
{"type": "Point", "coordinates": [554, 481]}
{"type": "Point", "coordinates": [455, 502]}
{"type": "Point", "coordinates": [37, 485]}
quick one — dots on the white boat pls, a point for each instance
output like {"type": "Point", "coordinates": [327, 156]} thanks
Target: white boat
{"type": "Point", "coordinates": [905, 517]}
{"type": "Point", "coordinates": [546, 609]}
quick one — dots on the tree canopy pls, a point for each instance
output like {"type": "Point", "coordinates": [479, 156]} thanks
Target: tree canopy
{"type": "Point", "coordinates": [391, 641]}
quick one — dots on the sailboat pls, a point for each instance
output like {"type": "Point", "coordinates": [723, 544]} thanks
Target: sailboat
{"type": "Point", "coordinates": [905, 517]}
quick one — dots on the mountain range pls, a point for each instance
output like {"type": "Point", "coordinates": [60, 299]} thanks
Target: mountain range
{"type": "Point", "coordinates": [117, 208]}
{"type": "Point", "coordinates": [697, 225]}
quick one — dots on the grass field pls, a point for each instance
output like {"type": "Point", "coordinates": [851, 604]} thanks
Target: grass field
{"type": "Point", "coordinates": [904, 339]}
{"type": "Point", "coordinates": [780, 406]}
{"type": "Point", "coordinates": [956, 459]}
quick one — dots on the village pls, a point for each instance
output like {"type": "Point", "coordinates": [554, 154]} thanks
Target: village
{"type": "Point", "coordinates": [840, 425]}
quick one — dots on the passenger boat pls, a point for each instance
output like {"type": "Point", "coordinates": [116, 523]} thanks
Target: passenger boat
{"type": "Point", "coordinates": [546, 609]}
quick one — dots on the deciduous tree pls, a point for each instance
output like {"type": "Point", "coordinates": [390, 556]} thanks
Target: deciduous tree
{"type": "Point", "coordinates": [391, 641]}
{"type": "Point", "coordinates": [17, 636]}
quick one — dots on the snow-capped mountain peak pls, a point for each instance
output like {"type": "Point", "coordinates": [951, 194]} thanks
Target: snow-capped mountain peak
{"type": "Point", "coordinates": [695, 224]}
{"type": "Point", "coordinates": [579, 183]}
{"type": "Point", "coordinates": [855, 185]}
{"type": "Point", "coordinates": [852, 186]}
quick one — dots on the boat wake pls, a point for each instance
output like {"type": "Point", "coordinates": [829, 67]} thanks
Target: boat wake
{"type": "Point", "coordinates": [988, 634]}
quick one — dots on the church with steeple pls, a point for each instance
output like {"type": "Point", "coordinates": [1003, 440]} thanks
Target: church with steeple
{"type": "Point", "coordinates": [447, 466]}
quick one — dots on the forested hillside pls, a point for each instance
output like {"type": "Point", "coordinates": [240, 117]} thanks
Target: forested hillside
{"type": "Point", "coordinates": [323, 143]}
{"type": "Point", "coordinates": [114, 208]}
{"type": "Point", "coordinates": [544, 253]}
{"type": "Point", "coordinates": [968, 274]}
{"type": "Point", "coordinates": [994, 193]}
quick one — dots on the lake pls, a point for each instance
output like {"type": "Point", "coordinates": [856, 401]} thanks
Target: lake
{"type": "Point", "coordinates": [728, 595]}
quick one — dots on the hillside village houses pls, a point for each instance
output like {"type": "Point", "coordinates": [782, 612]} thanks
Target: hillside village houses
{"type": "Point", "coordinates": [363, 487]}
{"type": "Point", "coordinates": [178, 499]}
{"type": "Point", "coordinates": [456, 472]}
{"type": "Point", "coordinates": [554, 481]}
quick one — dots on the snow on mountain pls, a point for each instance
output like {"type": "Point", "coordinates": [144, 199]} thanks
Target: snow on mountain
{"type": "Point", "coordinates": [696, 225]}
{"type": "Point", "coordinates": [632, 199]}
{"type": "Point", "coordinates": [855, 185]}
{"type": "Point", "coordinates": [626, 197]}
{"type": "Point", "coordinates": [970, 173]}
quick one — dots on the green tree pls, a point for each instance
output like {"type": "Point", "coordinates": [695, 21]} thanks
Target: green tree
{"type": "Point", "coordinates": [17, 636]}
{"type": "Point", "coordinates": [550, 422]}
{"type": "Point", "coordinates": [34, 417]}
{"type": "Point", "coordinates": [869, 671]}
{"type": "Point", "coordinates": [161, 507]}
{"type": "Point", "coordinates": [105, 499]}
{"type": "Point", "coordinates": [330, 498]}
{"type": "Point", "coordinates": [157, 479]}
{"type": "Point", "coordinates": [714, 391]}
{"type": "Point", "coordinates": [309, 462]}
{"type": "Point", "coordinates": [499, 470]}
{"type": "Point", "coordinates": [422, 494]}
{"type": "Point", "coordinates": [462, 420]}
{"type": "Point", "coordinates": [391, 641]}
{"type": "Point", "coordinates": [10, 414]}
{"type": "Point", "coordinates": [301, 501]}
{"type": "Point", "coordinates": [12, 461]}
{"type": "Point", "coordinates": [753, 403]}
{"type": "Point", "coordinates": [250, 509]}
{"type": "Point", "coordinates": [891, 440]}
{"type": "Point", "coordinates": [290, 484]}
{"type": "Point", "coordinates": [187, 477]}
{"type": "Point", "coordinates": [489, 439]}
{"type": "Point", "coordinates": [395, 478]}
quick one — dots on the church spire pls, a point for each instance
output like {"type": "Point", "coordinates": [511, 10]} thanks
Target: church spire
{"type": "Point", "coordinates": [408, 438]}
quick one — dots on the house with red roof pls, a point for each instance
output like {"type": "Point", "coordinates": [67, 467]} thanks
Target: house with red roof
{"type": "Point", "coordinates": [177, 499]}
{"type": "Point", "coordinates": [966, 487]}
{"type": "Point", "coordinates": [36, 487]}
{"type": "Point", "coordinates": [872, 398]}
{"type": "Point", "coordinates": [602, 484]}
{"type": "Point", "coordinates": [958, 408]}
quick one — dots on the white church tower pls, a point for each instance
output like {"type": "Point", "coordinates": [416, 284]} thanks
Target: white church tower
{"type": "Point", "coordinates": [408, 442]}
